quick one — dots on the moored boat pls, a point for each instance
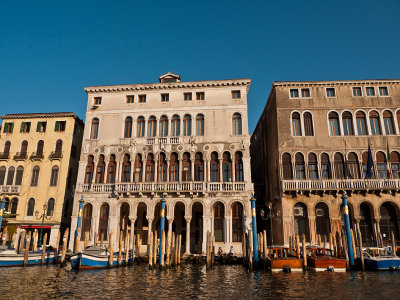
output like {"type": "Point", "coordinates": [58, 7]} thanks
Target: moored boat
{"type": "Point", "coordinates": [321, 259]}
{"type": "Point", "coordinates": [378, 259]}
{"type": "Point", "coordinates": [95, 257]}
{"type": "Point", "coordinates": [283, 259]}
{"type": "Point", "coordinates": [10, 258]}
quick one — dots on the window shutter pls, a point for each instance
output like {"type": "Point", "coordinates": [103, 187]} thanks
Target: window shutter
{"type": "Point", "coordinates": [38, 127]}
{"type": "Point", "coordinates": [12, 127]}
{"type": "Point", "coordinates": [56, 127]}
{"type": "Point", "coordinates": [22, 127]}
{"type": "Point", "coordinates": [5, 127]}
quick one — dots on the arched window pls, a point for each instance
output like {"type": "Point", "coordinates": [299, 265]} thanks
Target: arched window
{"type": "Point", "coordinates": [175, 125]}
{"type": "Point", "coordinates": [24, 148]}
{"type": "Point", "coordinates": [7, 205]}
{"type": "Point", "coordinates": [94, 131]}
{"type": "Point", "coordinates": [200, 125]}
{"type": "Point", "coordinates": [140, 127]}
{"type": "Point", "coordinates": [19, 175]}
{"type": "Point", "coordinates": [237, 222]}
{"type": "Point", "coordinates": [312, 166]}
{"type": "Point", "coordinates": [338, 162]}
{"type": "Point", "coordinates": [150, 168]}
{"type": "Point", "coordinates": [334, 129]}
{"type": "Point", "coordinates": [395, 164]}
{"type": "Point", "coordinates": [164, 126]}
{"type": "Point", "coordinates": [152, 126]}
{"type": "Point", "coordinates": [198, 167]}
{"type": "Point", "coordinates": [361, 123]}
{"type": "Point", "coordinates": [10, 176]}
{"type": "Point", "coordinates": [111, 169]}
{"type": "Point", "coordinates": [237, 124]}
{"type": "Point", "coordinates": [374, 122]}
{"type": "Point", "coordinates": [296, 127]}
{"type": "Point", "coordinates": [388, 121]}
{"type": "Point", "coordinates": [35, 176]}
{"type": "Point", "coordinates": [31, 207]}
{"type": "Point", "coordinates": [50, 207]}
{"type": "Point", "coordinates": [89, 170]}
{"type": "Point", "coordinates": [219, 214]}
{"type": "Point", "coordinates": [100, 170]}
{"type": "Point", "coordinates": [227, 167]}
{"type": "Point", "coordinates": [138, 170]}
{"type": "Point", "coordinates": [59, 144]}
{"type": "Point", "coordinates": [126, 168]}
{"type": "Point", "coordinates": [300, 166]}
{"type": "Point", "coordinates": [214, 167]}
{"type": "Point", "coordinates": [162, 173]}
{"type": "Point", "coordinates": [353, 166]}
{"type": "Point", "coordinates": [39, 148]}
{"type": "Point", "coordinates": [86, 219]}
{"type": "Point", "coordinates": [187, 125]}
{"type": "Point", "coordinates": [347, 120]}
{"type": "Point", "coordinates": [128, 127]}
{"type": "Point", "coordinates": [364, 165]}
{"type": "Point", "coordinates": [186, 167]}
{"type": "Point", "coordinates": [174, 167]}
{"type": "Point", "coordinates": [366, 226]}
{"type": "Point", "coordinates": [398, 119]}
{"type": "Point", "coordinates": [103, 220]}
{"type": "Point", "coordinates": [308, 124]}
{"type": "Point", "coordinates": [301, 220]}
{"type": "Point", "coordinates": [7, 146]}
{"type": "Point", "coordinates": [2, 175]}
{"type": "Point", "coordinates": [325, 166]}
{"type": "Point", "coordinates": [381, 165]}
{"type": "Point", "coordinates": [14, 205]}
{"type": "Point", "coordinates": [239, 167]}
{"type": "Point", "coordinates": [54, 176]}
{"type": "Point", "coordinates": [322, 221]}
{"type": "Point", "coordinates": [287, 166]}
{"type": "Point", "coordinates": [389, 221]}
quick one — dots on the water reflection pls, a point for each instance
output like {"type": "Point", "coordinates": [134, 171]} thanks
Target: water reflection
{"type": "Point", "coordinates": [192, 282]}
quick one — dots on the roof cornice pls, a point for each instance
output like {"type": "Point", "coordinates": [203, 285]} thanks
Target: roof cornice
{"type": "Point", "coordinates": [336, 82]}
{"type": "Point", "coordinates": [167, 86]}
{"type": "Point", "coordinates": [41, 116]}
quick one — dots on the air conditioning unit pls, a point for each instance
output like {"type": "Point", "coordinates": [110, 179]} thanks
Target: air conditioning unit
{"type": "Point", "coordinates": [298, 212]}
{"type": "Point", "coordinates": [319, 212]}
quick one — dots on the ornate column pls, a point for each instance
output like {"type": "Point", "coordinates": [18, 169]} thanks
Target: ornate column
{"type": "Point", "coordinates": [228, 229]}
{"type": "Point", "coordinates": [132, 236]}
{"type": "Point", "coordinates": [311, 220]}
{"type": "Point", "coordinates": [180, 162]}
{"type": "Point", "coordinates": [156, 170]}
{"type": "Point", "coordinates": [167, 161]}
{"type": "Point", "coordinates": [188, 220]}
{"type": "Point", "coordinates": [192, 169]}
{"type": "Point", "coordinates": [170, 222]}
{"type": "Point", "coordinates": [150, 222]}
{"type": "Point", "coordinates": [220, 172]}
{"type": "Point", "coordinates": [207, 171]}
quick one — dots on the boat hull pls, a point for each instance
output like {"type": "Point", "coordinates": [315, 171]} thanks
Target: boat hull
{"type": "Point", "coordinates": [34, 258]}
{"type": "Point", "coordinates": [326, 264]}
{"type": "Point", "coordinates": [88, 261]}
{"type": "Point", "coordinates": [280, 264]}
{"type": "Point", "coordinates": [379, 264]}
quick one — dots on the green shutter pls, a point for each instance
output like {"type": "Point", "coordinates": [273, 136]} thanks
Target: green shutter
{"type": "Point", "coordinates": [5, 127]}
{"type": "Point", "coordinates": [22, 127]}
{"type": "Point", "coordinates": [56, 127]}
{"type": "Point", "coordinates": [38, 127]}
{"type": "Point", "coordinates": [12, 127]}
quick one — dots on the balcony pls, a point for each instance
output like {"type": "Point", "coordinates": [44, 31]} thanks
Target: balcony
{"type": "Point", "coordinates": [36, 156]}
{"type": "Point", "coordinates": [20, 156]}
{"type": "Point", "coordinates": [4, 155]}
{"type": "Point", "coordinates": [341, 184]}
{"type": "Point", "coordinates": [10, 189]}
{"type": "Point", "coordinates": [55, 155]}
{"type": "Point", "coordinates": [154, 187]}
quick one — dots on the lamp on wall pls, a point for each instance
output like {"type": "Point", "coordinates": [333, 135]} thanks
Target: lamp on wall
{"type": "Point", "coordinates": [43, 216]}
{"type": "Point", "coordinates": [270, 215]}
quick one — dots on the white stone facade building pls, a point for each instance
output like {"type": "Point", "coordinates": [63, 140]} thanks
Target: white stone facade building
{"type": "Point", "coordinates": [188, 140]}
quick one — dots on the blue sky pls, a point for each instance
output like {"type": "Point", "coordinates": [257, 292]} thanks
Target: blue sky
{"type": "Point", "coordinates": [50, 50]}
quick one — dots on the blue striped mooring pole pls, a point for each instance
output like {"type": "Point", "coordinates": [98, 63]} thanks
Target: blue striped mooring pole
{"type": "Point", "coordinates": [2, 206]}
{"type": "Point", "coordinates": [254, 225]}
{"type": "Point", "coordinates": [79, 221]}
{"type": "Point", "coordinates": [162, 223]}
{"type": "Point", "coordinates": [347, 226]}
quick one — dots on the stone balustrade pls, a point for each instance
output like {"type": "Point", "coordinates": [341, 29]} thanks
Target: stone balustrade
{"type": "Point", "coordinates": [10, 189]}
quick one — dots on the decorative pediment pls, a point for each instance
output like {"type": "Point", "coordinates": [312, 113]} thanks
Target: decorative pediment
{"type": "Point", "coordinates": [169, 77]}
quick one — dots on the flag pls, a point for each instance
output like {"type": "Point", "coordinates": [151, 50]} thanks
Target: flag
{"type": "Point", "coordinates": [388, 161]}
{"type": "Point", "coordinates": [370, 163]}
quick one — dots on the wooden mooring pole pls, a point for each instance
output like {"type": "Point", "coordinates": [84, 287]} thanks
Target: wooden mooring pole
{"type": "Point", "coordinates": [179, 249]}
{"type": "Point", "coordinates": [360, 247]}
{"type": "Point", "coordinates": [64, 246]}
{"type": "Point", "coordinates": [78, 237]}
{"type": "Point", "coordinates": [303, 240]}
{"type": "Point", "coordinates": [57, 247]}
{"type": "Point", "coordinates": [162, 248]}
{"type": "Point", "coordinates": [168, 252]}
{"type": "Point", "coordinates": [151, 251]}
{"type": "Point", "coordinates": [155, 245]}
{"type": "Point", "coordinates": [27, 244]}
{"type": "Point", "coordinates": [110, 249]}
{"type": "Point", "coordinates": [44, 248]}
{"type": "Point", "coordinates": [120, 248]}
{"type": "Point", "coordinates": [265, 245]}
{"type": "Point", "coordinates": [353, 244]}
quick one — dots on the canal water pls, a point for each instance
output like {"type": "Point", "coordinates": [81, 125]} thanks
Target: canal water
{"type": "Point", "coordinates": [192, 281]}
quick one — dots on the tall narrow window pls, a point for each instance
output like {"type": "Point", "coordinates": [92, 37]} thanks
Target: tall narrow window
{"type": "Point", "coordinates": [214, 167]}
{"type": "Point", "coordinates": [50, 207]}
{"type": "Point", "coordinates": [138, 168]}
{"type": "Point", "coordinates": [347, 120]}
{"type": "Point", "coordinates": [296, 127]}
{"type": "Point", "coordinates": [239, 167]}
{"type": "Point", "coordinates": [10, 176]}
{"type": "Point", "coordinates": [308, 124]}
{"type": "Point", "coordinates": [152, 127]}
{"type": "Point", "coordinates": [287, 166]}
{"type": "Point", "coordinates": [339, 166]}
{"type": "Point", "coordinates": [174, 167]}
{"type": "Point", "coordinates": [24, 148]}
{"type": "Point", "coordinates": [54, 176]}
{"type": "Point", "coordinates": [150, 168]}
{"type": "Point", "coordinates": [199, 167]}
{"type": "Point", "coordinates": [312, 166]}
{"type": "Point", "coordinates": [237, 222]}
{"type": "Point", "coordinates": [200, 125]}
{"type": "Point", "coordinates": [162, 173]}
{"type": "Point", "coordinates": [100, 170]}
{"type": "Point", "coordinates": [395, 164]}
{"type": "Point", "coordinates": [353, 167]}
{"type": "Point", "coordinates": [175, 125]}
{"type": "Point", "coordinates": [140, 127]}
{"type": "Point", "coordinates": [126, 168]}
{"type": "Point", "coordinates": [381, 165]}
{"type": "Point", "coordinates": [364, 165]}
{"type": "Point", "coordinates": [19, 175]}
{"type": "Point", "coordinates": [39, 148]}
{"type": "Point", "coordinates": [237, 124]}
{"type": "Point", "coordinates": [374, 122]}
{"type": "Point", "coordinates": [164, 126]}
{"type": "Point", "coordinates": [128, 127]}
{"type": "Point", "coordinates": [89, 170]}
{"type": "Point", "coordinates": [2, 175]}
{"type": "Point", "coordinates": [35, 176]}
{"type": "Point", "coordinates": [59, 144]}
{"type": "Point", "coordinates": [94, 131]}
{"type": "Point", "coordinates": [86, 220]}
{"type": "Point", "coordinates": [103, 220]}
{"type": "Point", "coordinates": [361, 123]}
{"type": "Point", "coordinates": [111, 169]}
{"type": "Point", "coordinates": [187, 125]}
{"type": "Point", "coordinates": [334, 129]}
{"type": "Point", "coordinates": [325, 166]}
{"type": "Point", "coordinates": [14, 205]}
{"type": "Point", "coordinates": [186, 167]}
{"type": "Point", "coordinates": [300, 166]}
{"type": "Point", "coordinates": [219, 222]}
{"type": "Point", "coordinates": [227, 167]}
{"type": "Point", "coordinates": [7, 146]}
{"type": "Point", "coordinates": [388, 121]}
{"type": "Point", "coordinates": [31, 207]}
